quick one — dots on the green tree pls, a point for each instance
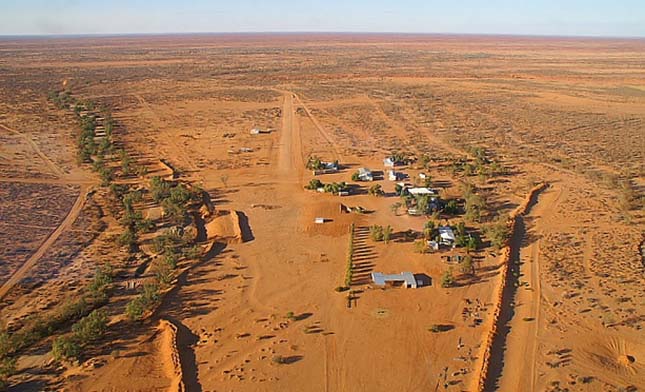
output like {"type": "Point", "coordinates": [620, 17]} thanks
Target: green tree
{"type": "Point", "coordinates": [376, 233]}
{"type": "Point", "coordinates": [395, 208]}
{"type": "Point", "coordinates": [421, 246]}
{"type": "Point", "coordinates": [134, 309]}
{"type": "Point", "coordinates": [423, 203]}
{"type": "Point", "coordinates": [314, 184]}
{"type": "Point", "coordinates": [472, 244]}
{"type": "Point", "coordinates": [498, 233]}
{"type": "Point", "coordinates": [159, 189]}
{"type": "Point", "coordinates": [387, 234]}
{"type": "Point", "coordinates": [65, 348]}
{"type": "Point", "coordinates": [467, 266]}
{"type": "Point", "coordinates": [128, 239]}
{"type": "Point", "coordinates": [91, 327]}
{"type": "Point", "coordinates": [376, 190]}
{"type": "Point", "coordinates": [451, 207]}
{"type": "Point", "coordinates": [447, 279]}
{"type": "Point", "coordinates": [7, 369]}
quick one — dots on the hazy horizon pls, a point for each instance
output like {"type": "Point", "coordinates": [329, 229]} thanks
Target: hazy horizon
{"type": "Point", "coordinates": [576, 18]}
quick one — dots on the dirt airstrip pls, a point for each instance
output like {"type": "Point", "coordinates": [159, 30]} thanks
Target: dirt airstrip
{"type": "Point", "coordinates": [560, 307]}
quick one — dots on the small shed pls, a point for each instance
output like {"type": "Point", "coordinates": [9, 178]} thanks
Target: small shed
{"type": "Point", "coordinates": [423, 191]}
{"type": "Point", "coordinates": [404, 279]}
{"type": "Point", "coordinates": [447, 236]}
{"type": "Point", "coordinates": [388, 162]}
{"type": "Point", "coordinates": [365, 174]}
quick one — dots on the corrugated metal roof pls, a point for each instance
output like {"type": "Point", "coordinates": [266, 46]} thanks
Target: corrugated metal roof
{"type": "Point", "coordinates": [380, 278]}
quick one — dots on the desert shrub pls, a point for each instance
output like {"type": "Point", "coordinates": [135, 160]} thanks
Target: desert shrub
{"type": "Point", "coordinates": [355, 176]}
{"type": "Point", "coordinates": [395, 207]}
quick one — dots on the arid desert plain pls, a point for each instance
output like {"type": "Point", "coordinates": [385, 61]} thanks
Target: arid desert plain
{"type": "Point", "coordinates": [322, 212]}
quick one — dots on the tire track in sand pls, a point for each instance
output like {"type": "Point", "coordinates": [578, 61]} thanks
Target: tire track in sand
{"type": "Point", "coordinates": [54, 168]}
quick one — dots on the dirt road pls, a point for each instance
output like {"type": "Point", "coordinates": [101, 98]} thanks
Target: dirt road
{"type": "Point", "coordinates": [290, 160]}
{"type": "Point", "coordinates": [520, 353]}
{"type": "Point", "coordinates": [49, 241]}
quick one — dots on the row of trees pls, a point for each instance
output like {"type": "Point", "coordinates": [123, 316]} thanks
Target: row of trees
{"type": "Point", "coordinates": [38, 327]}
{"type": "Point", "coordinates": [349, 270]}
{"type": "Point", "coordinates": [333, 187]}
{"type": "Point", "coordinates": [84, 332]}
{"type": "Point", "coordinates": [315, 163]}
{"type": "Point", "coordinates": [132, 220]}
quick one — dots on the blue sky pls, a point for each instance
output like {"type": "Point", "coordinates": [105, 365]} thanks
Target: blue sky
{"type": "Point", "coordinates": [541, 17]}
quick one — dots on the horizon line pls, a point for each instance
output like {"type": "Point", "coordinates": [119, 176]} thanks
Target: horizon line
{"type": "Point", "coordinates": [305, 32]}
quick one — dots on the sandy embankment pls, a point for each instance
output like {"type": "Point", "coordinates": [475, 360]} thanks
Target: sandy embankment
{"type": "Point", "coordinates": [485, 352]}
{"type": "Point", "coordinates": [170, 356]}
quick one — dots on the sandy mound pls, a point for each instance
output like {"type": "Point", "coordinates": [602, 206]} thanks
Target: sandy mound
{"type": "Point", "coordinates": [615, 355]}
{"type": "Point", "coordinates": [230, 226]}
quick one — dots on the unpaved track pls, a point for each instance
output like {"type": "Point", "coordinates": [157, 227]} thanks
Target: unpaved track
{"type": "Point", "coordinates": [320, 129]}
{"type": "Point", "coordinates": [55, 169]}
{"type": "Point", "coordinates": [179, 150]}
{"type": "Point", "coordinates": [50, 181]}
{"type": "Point", "coordinates": [49, 241]}
{"type": "Point", "coordinates": [518, 372]}
{"type": "Point", "coordinates": [290, 159]}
